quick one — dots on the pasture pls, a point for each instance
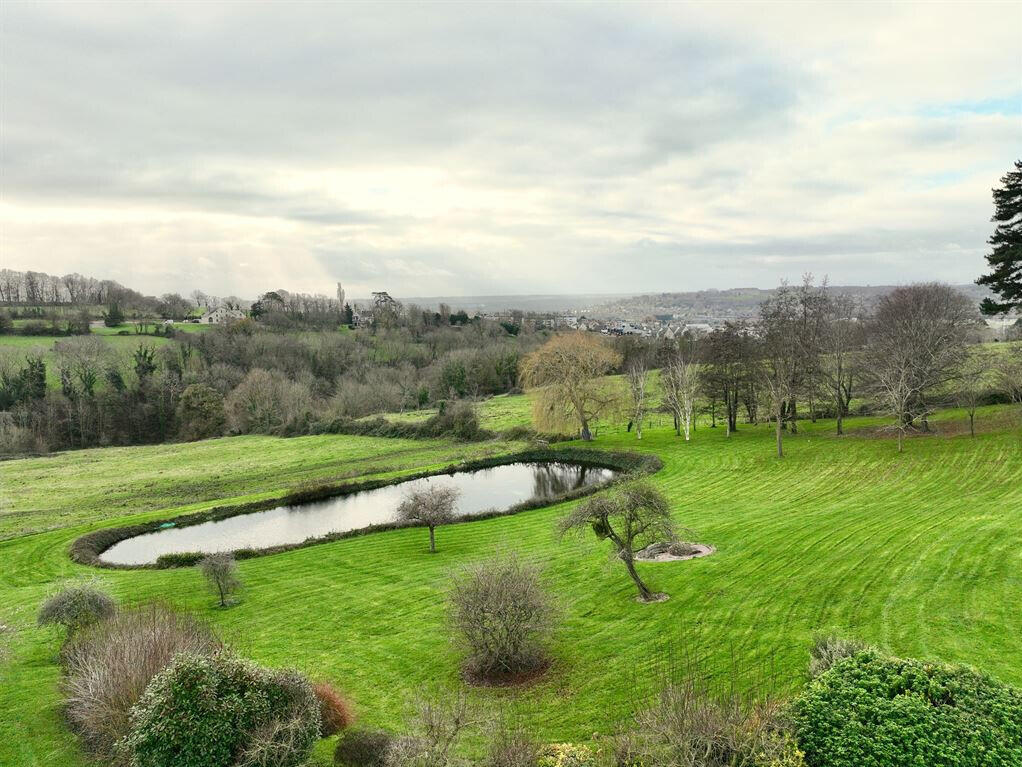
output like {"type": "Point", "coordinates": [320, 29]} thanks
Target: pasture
{"type": "Point", "coordinates": [920, 553]}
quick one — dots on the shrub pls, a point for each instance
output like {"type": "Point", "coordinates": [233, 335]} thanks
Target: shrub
{"type": "Point", "coordinates": [287, 738]}
{"type": "Point", "coordinates": [697, 724]}
{"type": "Point", "coordinates": [363, 748]}
{"type": "Point", "coordinates": [76, 606]}
{"type": "Point", "coordinates": [869, 709]}
{"type": "Point", "coordinates": [108, 667]}
{"type": "Point", "coordinates": [201, 412]}
{"type": "Point", "coordinates": [828, 650]}
{"type": "Point", "coordinates": [567, 755]}
{"type": "Point", "coordinates": [438, 727]}
{"type": "Point", "coordinates": [503, 617]}
{"type": "Point", "coordinates": [221, 573]}
{"type": "Point", "coordinates": [334, 709]}
{"type": "Point", "coordinates": [512, 745]}
{"type": "Point", "coordinates": [457, 420]}
{"type": "Point", "coordinates": [206, 711]}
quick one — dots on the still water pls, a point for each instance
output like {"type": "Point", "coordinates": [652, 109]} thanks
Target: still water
{"type": "Point", "coordinates": [499, 487]}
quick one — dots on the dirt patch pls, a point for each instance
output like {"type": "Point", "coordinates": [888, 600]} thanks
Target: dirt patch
{"type": "Point", "coordinates": [677, 551]}
{"type": "Point", "coordinates": [658, 597]}
{"type": "Point", "coordinates": [519, 679]}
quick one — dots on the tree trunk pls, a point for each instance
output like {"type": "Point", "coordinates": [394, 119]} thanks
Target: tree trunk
{"type": "Point", "coordinates": [587, 436]}
{"type": "Point", "coordinates": [777, 431]}
{"type": "Point", "coordinates": [677, 425]}
{"type": "Point", "coordinates": [840, 412]}
{"type": "Point", "coordinates": [432, 540]}
{"type": "Point", "coordinates": [901, 436]}
{"type": "Point", "coordinates": [644, 592]}
{"type": "Point", "coordinates": [972, 424]}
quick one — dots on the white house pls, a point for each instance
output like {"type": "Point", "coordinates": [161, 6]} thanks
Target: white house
{"type": "Point", "coordinates": [222, 314]}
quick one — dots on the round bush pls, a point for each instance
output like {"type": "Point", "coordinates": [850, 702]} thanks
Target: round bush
{"type": "Point", "coordinates": [108, 666]}
{"type": "Point", "coordinates": [334, 709]}
{"type": "Point", "coordinates": [869, 710]}
{"type": "Point", "coordinates": [222, 711]}
{"type": "Point", "coordinates": [503, 617]}
{"type": "Point", "coordinates": [77, 606]}
{"type": "Point", "coordinates": [363, 748]}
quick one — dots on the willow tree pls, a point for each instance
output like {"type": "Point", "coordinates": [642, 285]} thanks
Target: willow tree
{"type": "Point", "coordinates": [566, 372]}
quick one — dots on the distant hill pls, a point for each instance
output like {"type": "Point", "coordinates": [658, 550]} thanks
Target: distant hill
{"type": "Point", "coordinates": [582, 302]}
{"type": "Point", "coordinates": [734, 303]}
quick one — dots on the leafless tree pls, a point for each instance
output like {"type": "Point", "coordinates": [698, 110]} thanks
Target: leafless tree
{"type": "Point", "coordinates": [221, 572]}
{"type": "Point", "coordinates": [637, 374]}
{"type": "Point", "coordinates": [782, 365]}
{"type": "Point", "coordinates": [631, 518]}
{"type": "Point", "coordinates": [843, 338]}
{"type": "Point", "coordinates": [918, 342]}
{"type": "Point", "coordinates": [680, 382]}
{"type": "Point", "coordinates": [1008, 374]}
{"type": "Point", "coordinates": [972, 383]}
{"type": "Point", "coordinates": [432, 506]}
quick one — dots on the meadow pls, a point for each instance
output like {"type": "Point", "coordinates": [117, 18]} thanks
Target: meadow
{"type": "Point", "coordinates": [919, 553]}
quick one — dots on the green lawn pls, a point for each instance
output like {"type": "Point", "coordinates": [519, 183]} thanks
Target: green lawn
{"type": "Point", "coordinates": [22, 346]}
{"type": "Point", "coordinates": [919, 552]}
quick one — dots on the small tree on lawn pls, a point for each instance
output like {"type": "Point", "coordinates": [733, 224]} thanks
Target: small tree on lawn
{"type": "Point", "coordinates": [631, 519]}
{"type": "Point", "coordinates": [432, 506]}
{"type": "Point", "coordinates": [221, 571]}
{"type": "Point", "coordinates": [972, 386]}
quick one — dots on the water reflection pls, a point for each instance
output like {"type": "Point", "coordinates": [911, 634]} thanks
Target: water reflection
{"type": "Point", "coordinates": [499, 487]}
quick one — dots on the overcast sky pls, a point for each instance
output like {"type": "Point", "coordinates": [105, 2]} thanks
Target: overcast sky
{"type": "Point", "coordinates": [493, 149]}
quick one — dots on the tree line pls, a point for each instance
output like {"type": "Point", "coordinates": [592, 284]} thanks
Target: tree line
{"type": "Point", "coordinates": [808, 354]}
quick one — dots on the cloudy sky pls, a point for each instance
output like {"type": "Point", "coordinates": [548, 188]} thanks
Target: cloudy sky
{"type": "Point", "coordinates": [496, 148]}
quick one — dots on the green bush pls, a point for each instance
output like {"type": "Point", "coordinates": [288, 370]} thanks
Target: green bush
{"type": "Point", "coordinates": [363, 748]}
{"type": "Point", "coordinates": [76, 606]}
{"type": "Point", "coordinates": [220, 711]}
{"type": "Point", "coordinates": [869, 710]}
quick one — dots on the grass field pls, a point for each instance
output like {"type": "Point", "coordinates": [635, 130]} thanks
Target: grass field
{"type": "Point", "coordinates": [919, 552]}
{"type": "Point", "coordinates": [22, 346]}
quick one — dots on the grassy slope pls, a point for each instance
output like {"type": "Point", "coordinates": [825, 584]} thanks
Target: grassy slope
{"type": "Point", "coordinates": [21, 346]}
{"type": "Point", "coordinates": [919, 552]}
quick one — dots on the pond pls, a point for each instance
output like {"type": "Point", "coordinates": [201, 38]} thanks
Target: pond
{"type": "Point", "coordinates": [495, 488]}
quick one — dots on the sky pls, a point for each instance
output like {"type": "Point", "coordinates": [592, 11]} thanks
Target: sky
{"type": "Point", "coordinates": [481, 149]}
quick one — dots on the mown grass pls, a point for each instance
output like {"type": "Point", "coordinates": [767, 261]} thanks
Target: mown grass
{"type": "Point", "coordinates": [920, 553]}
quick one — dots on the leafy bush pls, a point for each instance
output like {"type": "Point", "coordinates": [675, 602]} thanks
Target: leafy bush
{"type": "Point", "coordinates": [363, 748]}
{"type": "Point", "coordinates": [76, 606]}
{"type": "Point", "coordinates": [503, 616]}
{"type": "Point", "coordinates": [201, 412]}
{"type": "Point", "coordinates": [828, 650]}
{"type": "Point", "coordinates": [205, 711]}
{"type": "Point", "coordinates": [567, 755]}
{"type": "Point", "coordinates": [108, 667]}
{"type": "Point", "coordinates": [221, 573]}
{"type": "Point", "coordinates": [334, 709]}
{"type": "Point", "coordinates": [458, 420]}
{"type": "Point", "coordinates": [869, 710]}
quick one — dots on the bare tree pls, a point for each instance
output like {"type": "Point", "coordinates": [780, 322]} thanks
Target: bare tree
{"type": "Point", "coordinates": [568, 370]}
{"type": "Point", "coordinates": [679, 380]}
{"type": "Point", "coordinates": [631, 518]}
{"type": "Point", "coordinates": [843, 337]}
{"type": "Point", "coordinates": [783, 364]}
{"type": "Point", "coordinates": [972, 384]}
{"type": "Point", "coordinates": [637, 374]}
{"type": "Point", "coordinates": [918, 342]}
{"type": "Point", "coordinates": [221, 572]}
{"type": "Point", "coordinates": [1008, 374]}
{"type": "Point", "coordinates": [432, 506]}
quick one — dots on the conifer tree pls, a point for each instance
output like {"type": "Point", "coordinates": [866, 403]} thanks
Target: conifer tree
{"type": "Point", "coordinates": [1005, 260]}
